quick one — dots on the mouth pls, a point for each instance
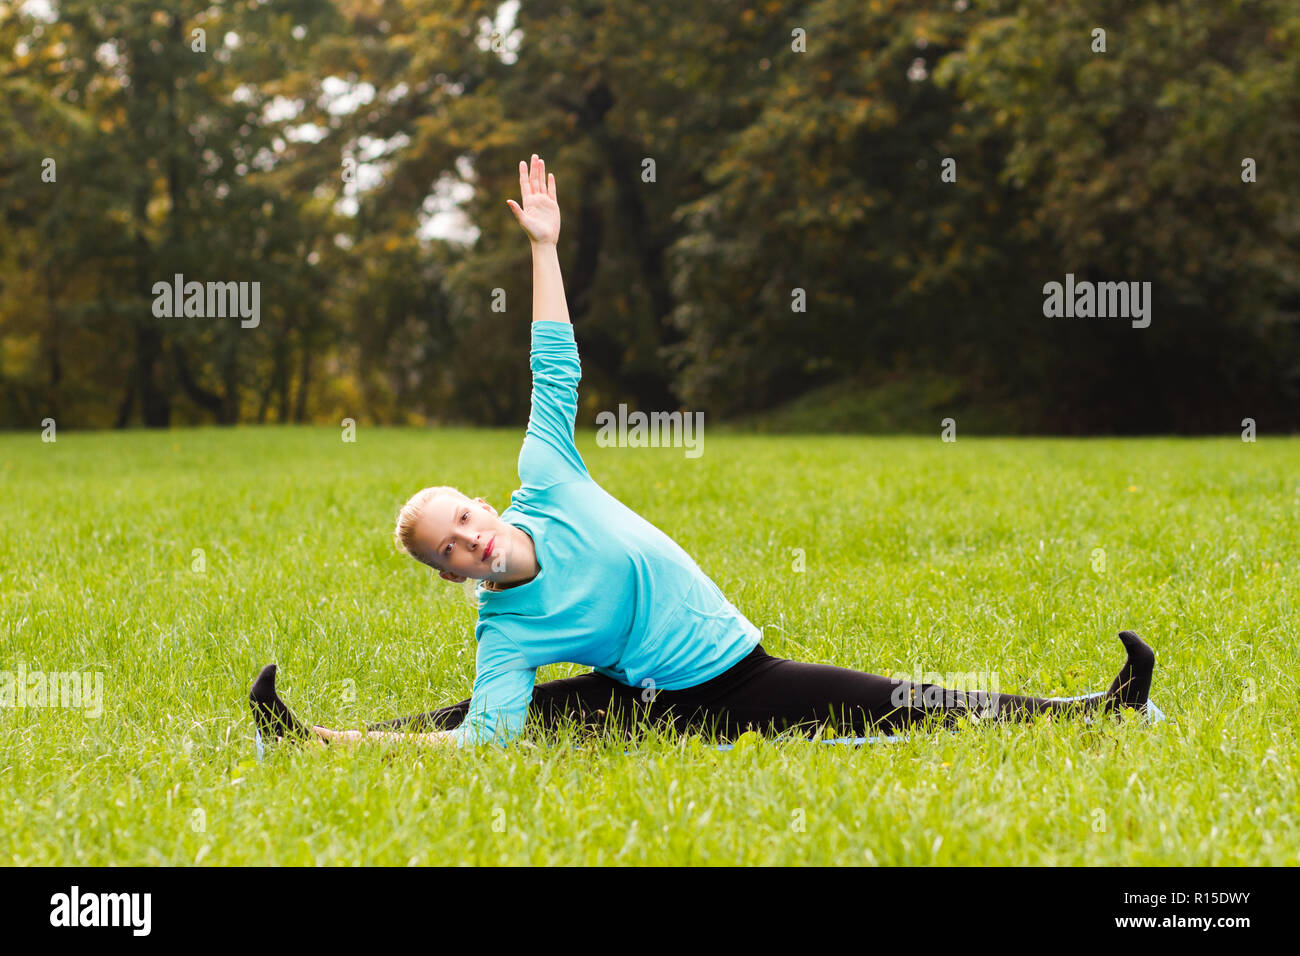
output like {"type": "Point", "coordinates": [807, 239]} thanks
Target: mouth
{"type": "Point", "coordinates": [491, 546]}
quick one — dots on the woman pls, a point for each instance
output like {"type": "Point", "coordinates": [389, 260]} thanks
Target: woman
{"type": "Point", "coordinates": [568, 573]}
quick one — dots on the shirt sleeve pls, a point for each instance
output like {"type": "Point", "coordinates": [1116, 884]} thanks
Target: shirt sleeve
{"type": "Point", "coordinates": [503, 689]}
{"type": "Point", "coordinates": [548, 455]}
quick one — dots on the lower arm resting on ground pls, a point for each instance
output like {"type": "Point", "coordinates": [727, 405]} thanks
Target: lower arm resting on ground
{"type": "Point", "coordinates": [437, 738]}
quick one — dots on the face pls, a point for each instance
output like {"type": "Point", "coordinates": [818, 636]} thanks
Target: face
{"type": "Point", "coordinates": [465, 538]}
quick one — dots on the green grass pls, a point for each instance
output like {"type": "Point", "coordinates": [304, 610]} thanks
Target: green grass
{"type": "Point", "coordinates": [977, 555]}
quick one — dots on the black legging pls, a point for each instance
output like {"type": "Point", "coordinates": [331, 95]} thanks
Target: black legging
{"type": "Point", "coordinates": [762, 693]}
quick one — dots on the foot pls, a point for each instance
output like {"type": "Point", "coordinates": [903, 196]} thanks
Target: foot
{"type": "Point", "coordinates": [1133, 684]}
{"type": "Point", "coordinates": [274, 720]}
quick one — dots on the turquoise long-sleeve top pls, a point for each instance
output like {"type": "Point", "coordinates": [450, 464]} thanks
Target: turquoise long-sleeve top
{"type": "Point", "coordinates": [613, 591]}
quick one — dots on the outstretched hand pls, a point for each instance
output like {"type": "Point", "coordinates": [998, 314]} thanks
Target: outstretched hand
{"type": "Point", "coordinates": [540, 215]}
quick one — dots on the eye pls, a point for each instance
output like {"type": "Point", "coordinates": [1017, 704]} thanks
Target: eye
{"type": "Point", "coordinates": [463, 518]}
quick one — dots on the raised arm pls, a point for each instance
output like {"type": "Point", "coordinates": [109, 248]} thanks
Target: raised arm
{"type": "Point", "coordinates": [549, 455]}
{"type": "Point", "coordinates": [540, 219]}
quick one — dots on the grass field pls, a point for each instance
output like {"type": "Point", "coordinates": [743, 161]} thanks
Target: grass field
{"type": "Point", "coordinates": [977, 555]}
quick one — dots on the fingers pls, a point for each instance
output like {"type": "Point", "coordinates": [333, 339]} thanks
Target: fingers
{"type": "Point", "coordinates": [514, 208]}
{"type": "Point", "coordinates": [533, 178]}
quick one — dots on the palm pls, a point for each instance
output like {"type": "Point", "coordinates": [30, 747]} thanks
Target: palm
{"type": "Point", "coordinates": [540, 214]}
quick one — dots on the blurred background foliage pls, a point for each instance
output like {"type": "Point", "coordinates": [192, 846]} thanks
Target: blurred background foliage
{"type": "Point", "coordinates": [354, 157]}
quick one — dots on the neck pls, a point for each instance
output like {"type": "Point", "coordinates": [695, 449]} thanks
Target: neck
{"type": "Point", "coordinates": [530, 567]}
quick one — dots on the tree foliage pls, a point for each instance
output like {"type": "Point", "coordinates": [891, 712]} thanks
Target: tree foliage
{"type": "Point", "coordinates": [763, 202]}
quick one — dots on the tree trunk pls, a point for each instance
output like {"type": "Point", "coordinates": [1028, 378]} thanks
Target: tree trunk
{"type": "Point", "coordinates": [124, 408]}
{"type": "Point", "coordinates": [155, 403]}
{"type": "Point", "coordinates": [304, 376]}
{"type": "Point", "coordinates": [52, 344]}
{"type": "Point", "coordinates": [209, 401]}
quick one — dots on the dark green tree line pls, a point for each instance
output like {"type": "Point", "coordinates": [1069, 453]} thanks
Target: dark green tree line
{"type": "Point", "coordinates": [763, 202]}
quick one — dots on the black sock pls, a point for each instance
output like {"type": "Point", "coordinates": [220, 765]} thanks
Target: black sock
{"type": "Point", "coordinates": [1131, 687]}
{"type": "Point", "coordinates": [273, 718]}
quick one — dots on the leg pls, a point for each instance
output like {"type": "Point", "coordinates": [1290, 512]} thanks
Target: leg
{"type": "Point", "coordinates": [587, 698]}
{"type": "Point", "coordinates": [444, 718]}
{"type": "Point", "coordinates": [591, 699]}
{"type": "Point", "coordinates": [765, 692]}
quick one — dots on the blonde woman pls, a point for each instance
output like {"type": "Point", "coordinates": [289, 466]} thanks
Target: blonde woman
{"type": "Point", "coordinates": [569, 574]}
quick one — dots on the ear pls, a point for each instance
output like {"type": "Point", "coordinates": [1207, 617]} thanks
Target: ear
{"type": "Point", "coordinates": [453, 578]}
{"type": "Point", "coordinates": [486, 505]}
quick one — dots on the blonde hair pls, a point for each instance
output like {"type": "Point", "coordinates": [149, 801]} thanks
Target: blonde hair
{"type": "Point", "coordinates": [409, 517]}
{"type": "Point", "coordinates": [404, 533]}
